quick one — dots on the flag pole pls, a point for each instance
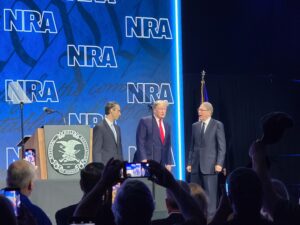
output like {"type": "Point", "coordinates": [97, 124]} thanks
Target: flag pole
{"type": "Point", "coordinates": [202, 85]}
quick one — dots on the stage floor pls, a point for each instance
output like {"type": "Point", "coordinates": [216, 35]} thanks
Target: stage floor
{"type": "Point", "coordinates": [52, 195]}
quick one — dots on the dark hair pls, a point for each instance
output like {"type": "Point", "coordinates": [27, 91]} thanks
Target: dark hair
{"type": "Point", "coordinates": [245, 190]}
{"type": "Point", "coordinates": [109, 106]}
{"type": "Point", "coordinates": [90, 175]}
{"type": "Point", "coordinates": [170, 197]}
{"type": "Point", "coordinates": [134, 204]}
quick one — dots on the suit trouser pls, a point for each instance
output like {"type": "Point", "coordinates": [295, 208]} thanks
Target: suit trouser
{"type": "Point", "coordinates": [209, 182]}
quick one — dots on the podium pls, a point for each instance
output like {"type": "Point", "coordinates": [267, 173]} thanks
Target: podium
{"type": "Point", "coordinates": [61, 151]}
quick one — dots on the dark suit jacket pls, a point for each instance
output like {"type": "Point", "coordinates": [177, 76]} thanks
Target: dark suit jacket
{"type": "Point", "coordinates": [173, 218]}
{"type": "Point", "coordinates": [212, 151]}
{"type": "Point", "coordinates": [148, 138]}
{"type": "Point", "coordinates": [39, 215]}
{"type": "Point", "coordinates": [104, 144]}
{"type": "Point", "coordinates": [63, 215]}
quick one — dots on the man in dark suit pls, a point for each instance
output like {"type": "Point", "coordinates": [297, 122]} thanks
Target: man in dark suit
{"type": "Point", "coordinates": [207, 153]}
{"type": "Point", "coordinates": [153, 137]}
{"type": "Point", "coordinates": [89, 176]}
{"type": "Point", "coordinates": [107, 136]}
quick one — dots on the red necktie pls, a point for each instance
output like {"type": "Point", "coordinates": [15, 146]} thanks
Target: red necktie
{"type": "Point", "coordinates": [161, 132]}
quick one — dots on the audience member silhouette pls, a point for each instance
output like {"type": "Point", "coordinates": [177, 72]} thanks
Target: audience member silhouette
{"type": "Point", "coordinates": [7, 215]}
{"type": "Point", "coordinates": [134, 203]}
{"type": "Point", "coordinates": [21, 174]}
{"type": "Point", "coordinates": [281, 190]}
{"type": "Point", "coordinates": [244, 190]}
{"type": "Point", "coordinates": [281, 210]}
{"type": "Point", "coordinates": [175, 216]}
{"type": "Point", "coordinates": [89, 176]}
{"type": "Point", "coordinates": [199, 194]}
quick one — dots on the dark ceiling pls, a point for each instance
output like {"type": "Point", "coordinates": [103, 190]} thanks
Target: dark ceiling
{"type": "Point", "coordinates": [248, 37]}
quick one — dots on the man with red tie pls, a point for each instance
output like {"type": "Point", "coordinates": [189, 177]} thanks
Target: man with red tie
{"type": "Point", "coordinates": [153, 137]}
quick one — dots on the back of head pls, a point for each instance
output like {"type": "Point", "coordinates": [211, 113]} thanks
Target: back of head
{"type": "Point", "coordinates": [199, 194]}
{"type": "Point", "coordinates": [20, 174]}
{"type": "Point", "coordinates": [134, 204]}
{"type": "Point", "coordinates": [170, 200]}
{"type": "Point", "coordinates": [245, 191]}
{"type": "Point", "coordinates": [90, 175]}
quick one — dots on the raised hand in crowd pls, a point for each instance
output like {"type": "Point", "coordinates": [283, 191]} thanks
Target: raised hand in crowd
{"type": "Point", "coordinates": [187, 204]}
{"type": "Point", "coordinates": [282, 211]}
{"type": "Point", "coordinates": [92, 202]}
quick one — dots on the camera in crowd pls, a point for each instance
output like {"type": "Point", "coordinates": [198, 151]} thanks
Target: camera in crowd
{"type": "Point", "coordinates": [135, 170]}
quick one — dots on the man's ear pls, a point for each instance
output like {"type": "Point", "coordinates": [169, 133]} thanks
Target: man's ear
{"type": "Point", "coordinates": [30, 186]}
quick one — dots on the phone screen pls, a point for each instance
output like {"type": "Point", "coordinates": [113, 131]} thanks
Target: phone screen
{"type": "Point", "coordinates": [30, 156]}
{"type": "Point", "coordinates": [14, 196]}
{"type": "Point", "coordinates": [137, 169]}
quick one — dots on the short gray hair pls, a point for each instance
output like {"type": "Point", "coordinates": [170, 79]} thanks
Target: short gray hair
{"type": "Point", "coordinates": [19, 174]}
{"type": "Point", "coordinates": [208, 106]}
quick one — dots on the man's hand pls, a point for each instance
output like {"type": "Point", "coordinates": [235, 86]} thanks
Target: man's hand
{"type": "Point", "coordinates": [160, 174]}
{"type": "Point", "coordinates": [218, 168]}
{"type": "Point", "coordinates": [189, 168]}
{"type": "Point", "coordinates": [169, 167]}
{"type": "Point", "coordinates": [144, 160]}
{"type": "Point", "coordinates": [111, 173]}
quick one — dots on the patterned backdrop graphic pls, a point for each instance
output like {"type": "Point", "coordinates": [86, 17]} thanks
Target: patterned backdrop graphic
{"type": "Point", "coordinates": [75, 55]}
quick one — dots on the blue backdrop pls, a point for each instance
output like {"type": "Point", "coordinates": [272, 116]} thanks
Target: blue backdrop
{"type": "Point", "coordinates": [74, 56]}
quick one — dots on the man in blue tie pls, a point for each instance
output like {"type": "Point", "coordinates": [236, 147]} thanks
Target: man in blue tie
{"type": "Point", "coordinates": [107, 136]}
{"type": "Point", "coordinates": [207, 153]}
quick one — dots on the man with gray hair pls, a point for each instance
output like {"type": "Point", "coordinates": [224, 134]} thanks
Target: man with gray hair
{"type": "Point", "coordinates": [22, 174]}
{"type": "Point", "coordinates": [207, 153]}
{"type": "Point", "coordinates": [153, 136]}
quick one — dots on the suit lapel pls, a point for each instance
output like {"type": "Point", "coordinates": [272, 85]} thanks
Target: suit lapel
{"type": "Point", "coordinates": [110, 131]}
{"type": "Point", "coordinates": [209, 127]}
{"type": "Point", "coordinates": [118, 135]}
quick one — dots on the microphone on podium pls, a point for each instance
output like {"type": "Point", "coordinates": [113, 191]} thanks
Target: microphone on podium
{"type": "Point", "coordinates": [50, 111]}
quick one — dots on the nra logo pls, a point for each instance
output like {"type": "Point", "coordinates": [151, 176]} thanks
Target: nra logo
{"type": "Point", "coordinates": [148, 27]}
{"type": "Point", "coordinates": [27, 91]}
{"type": "Point", "coordinates": [149, 92]}
{"type": "Point", "coordinates": [91, 56]}
{"type": "Point", "coordinates": [29, 21]}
